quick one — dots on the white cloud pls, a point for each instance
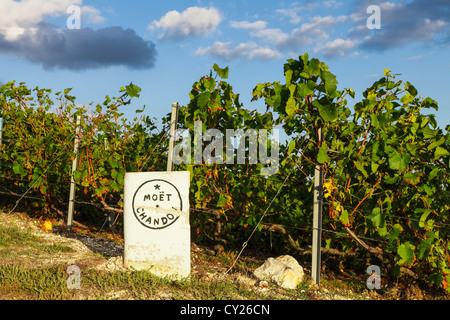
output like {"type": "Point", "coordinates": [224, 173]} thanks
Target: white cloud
{"type": "Point", "coordinates": [332, 4]}
{"type": "Point", "coordinates": [290, 13]}
{"type": "Point", "coordinates": [372, 75]}
{"type": "Point", "coordinates": [25, 15]}
{"type": "Point", "coordinates": [313, 31]}
{"type": "Point", "coordinates": [272, 36]}
{"type": "Point", "coordinates": [246, 51]}
{"type": "Point", "coordinates": [415, 57]}
{"type": "Point", "coordinates": [91, 15]}
{"type": "Point", "coordinates": [193, 21]}
{"type": "Point", "coordinates": [272, 41]}
{"type": "Point", "coordinates": [295, 11]}
{"type": "Point", "coordinates": [257, 25]}
{"type": "Point", "coordinates": [318, 24]}
{"type": "Point", "coordinates": [336, 48]}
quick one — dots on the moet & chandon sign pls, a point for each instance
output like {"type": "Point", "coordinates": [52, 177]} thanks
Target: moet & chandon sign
{"type": "Point", "coordinates": [157, 204]}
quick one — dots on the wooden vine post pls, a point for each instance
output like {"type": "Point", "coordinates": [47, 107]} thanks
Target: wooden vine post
{"type": "Point", "coordinates": [317, 218]}
{"type": "Point", "coordinates": [72, 179]}
{"type": "Point", "coordinates": [1, 130]}
{"type": "Point", "coordinates": [173, 127]}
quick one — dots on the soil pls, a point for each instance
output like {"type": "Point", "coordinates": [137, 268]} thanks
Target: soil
{"type": "Point", "coordinates": [104, 251]}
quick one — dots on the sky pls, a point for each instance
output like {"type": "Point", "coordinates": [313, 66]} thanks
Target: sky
{"type": "Point", "coordinates": [97, 46]}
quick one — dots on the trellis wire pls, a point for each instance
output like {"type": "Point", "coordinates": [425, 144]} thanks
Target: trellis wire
{"type": "Point", "coordinates": [256, 227]}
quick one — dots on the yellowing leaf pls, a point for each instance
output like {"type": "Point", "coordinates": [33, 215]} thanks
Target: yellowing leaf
{"type": "Point", "coordinates": [47, 226]}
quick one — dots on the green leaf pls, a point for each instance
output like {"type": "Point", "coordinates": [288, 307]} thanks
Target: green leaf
{"type": "Point", "coordinates": [440, 152]}
{"type": "Point", "coordinates": [133, 90]}
{"type": "Point", "coordinates": [412, 178]}
{"type": "Point", "coordinates": [223, 73]}
{"type": "Point", "coordinates": [382, 231]}
{"type": "Point", "coordinates": [18, 168]}
{"type": "Point", "coordinates": [436, 143]}
{"type": "Point", "coordinates": [223, 199]}
{"type": "Point", "coordinates": [374, 166]}
{"type": "Point", "coordinates": [407, 98]}
{"type": "Point", "coordinates": [424, 217]}
{"type": "Point", "coordinates": [351, 92]}
{"type": "Point", "coordinates": [291, 106]}
{"type": "Point", "coordinates": [344, 218]}
{"type": "Point", "coordinates": [114, 174]}
{"type": "Point", "coordinates": [427, 132]}
{"type": "Point", "coordinates": [406, 253]}
{"type": "Point", "coordinates": [424, 247]}
{"type": "Point", "coordinates": [327, 112]}
{"type": "Point", "coordinates": [113, 163]}
{"type": "Point", "coordinates": [203, 99]}
{"type": "Point", "coordinates": [433, 174]}
{"type": "Point", "coordinates": [395, 231]}
{"type": "Point", "coordinates": [360, 167]}
{"type": "Point", "coordinates": [377, 218]}
{"type": "Point", "coordinates": [330, 82]}
{"type": "Point", "coordinates": [291, 146]}
{"type": "Point", "coordinates": [304, 90]}
{"type": "Point", "coordinates": [412, 90]}
{"type": "Point", "coordinates": [323, 157]}
{"type": "Point", "coordinates": [398, 161]}
{"type": "Point", "coordinates": [288, 75]}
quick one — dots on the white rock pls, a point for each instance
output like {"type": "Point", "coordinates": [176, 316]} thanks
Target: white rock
{"type": "Point", "coordinates": [285, 271]}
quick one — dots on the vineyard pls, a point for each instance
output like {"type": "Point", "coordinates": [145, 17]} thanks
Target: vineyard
{"type": "Point", "coordinates": [385, 164]}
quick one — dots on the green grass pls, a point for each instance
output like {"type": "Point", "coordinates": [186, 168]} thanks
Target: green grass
{"type": "Point", "coordinates": [51, 283]}
{"type": "Point", "coordinates": [15, 235]}
{"type": "Point", "coordinates": [52, 248]}
{"type": "Point", "coordinates": [29, 243]}
{"type": "Point", "coordinates": [37, 283]}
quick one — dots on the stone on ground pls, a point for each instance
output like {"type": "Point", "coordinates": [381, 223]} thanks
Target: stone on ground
{"type": "Point", "coordinates": [285, 271]}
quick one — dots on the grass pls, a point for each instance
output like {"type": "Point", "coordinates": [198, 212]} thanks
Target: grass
{"type": "Point", "coordinates": [24, 238]}
{"type": "Point", "coordinates": [51, 283]}
{"type": "Point", "coordinates": [37, 283]}
{"type": "Point", "coordinates": [15, 235]}
{"type": "Point", "coordinates": [29, 280]}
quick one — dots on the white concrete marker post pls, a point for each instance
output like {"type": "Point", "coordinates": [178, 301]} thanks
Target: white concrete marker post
{"type": "Point", "coordinates": [156, 223]}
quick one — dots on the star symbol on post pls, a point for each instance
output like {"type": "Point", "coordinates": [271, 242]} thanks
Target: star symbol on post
{"type": "Point", "coordinates": [157, 186]}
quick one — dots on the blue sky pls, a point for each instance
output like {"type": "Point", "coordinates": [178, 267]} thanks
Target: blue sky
{"type": "Point", "coordinates": [164, 46]}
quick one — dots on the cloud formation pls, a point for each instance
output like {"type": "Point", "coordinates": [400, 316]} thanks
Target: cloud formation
{"type": "Point", "coordinates": [193, 21]}
{"type": "Point", "coordinates": [24, 32]}
{"type": "Point", "coordinates": [272, 42]}
{"type": "Point", "coordinates": [336, 48]}
{"type": "Point", "coordinates": [26, 14]}
{"type": "Point", "coordinates": [401, 23]}
{"type": "Point", "coordinates": [83, 48]}
{"type": "Point", "coordinates": [314, 31]}
{"type": "Point", "coordinates": [245, 51]}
